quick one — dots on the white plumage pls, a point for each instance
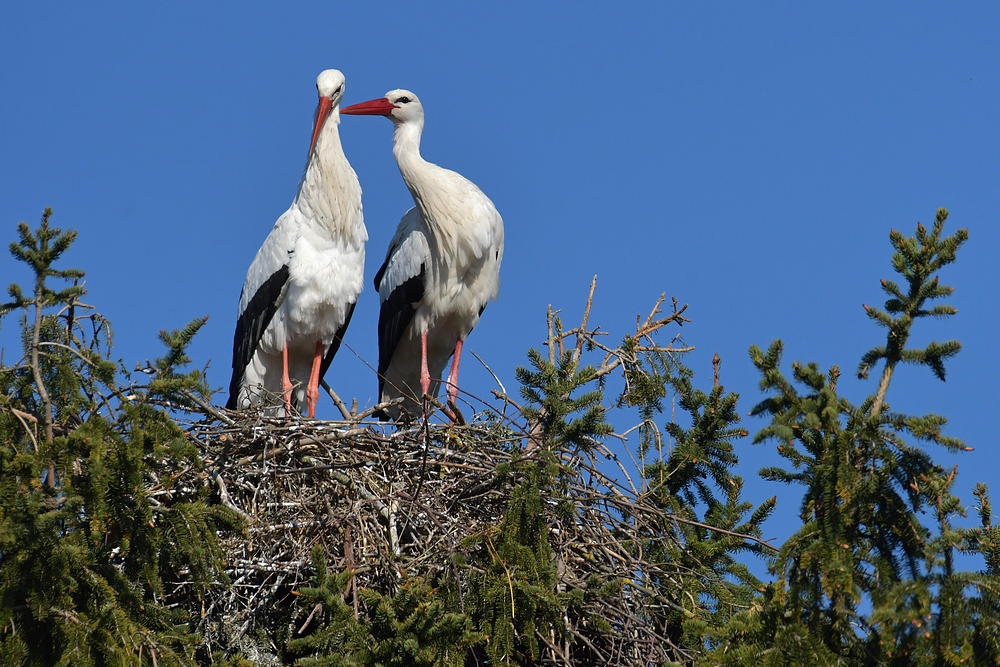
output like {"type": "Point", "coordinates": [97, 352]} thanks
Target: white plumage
{"type": "Point", "coordinates": [300, 291]}
{"type": "Point", "coordinates": [441, 269]}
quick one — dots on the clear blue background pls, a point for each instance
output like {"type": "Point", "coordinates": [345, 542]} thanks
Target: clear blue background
{"type": "Point", "coordinates": [747, 159]}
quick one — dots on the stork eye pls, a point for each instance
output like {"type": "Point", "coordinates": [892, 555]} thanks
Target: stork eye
{"type": "Point", "coordinates": [403, 100]}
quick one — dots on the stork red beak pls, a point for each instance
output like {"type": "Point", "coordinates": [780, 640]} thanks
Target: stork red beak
{"type": "Point", "coordinates": [380, 107]}
{"type": "Point", "coordinates": [322, 111]}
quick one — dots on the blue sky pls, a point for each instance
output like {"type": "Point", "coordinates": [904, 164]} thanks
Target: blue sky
{"type": "Point", "coordinates": [746, 159]}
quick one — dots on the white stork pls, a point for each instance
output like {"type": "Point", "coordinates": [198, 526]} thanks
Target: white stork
{"type": "Point", "coordinates": [441, 269]}
{"type": "Point", "coordinates": [300, 290]}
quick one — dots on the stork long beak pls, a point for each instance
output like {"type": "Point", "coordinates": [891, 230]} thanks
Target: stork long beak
{"type": "Point", "coordinates": [380, 107]}
{"type": "Point", "coordinates": [322, 111]}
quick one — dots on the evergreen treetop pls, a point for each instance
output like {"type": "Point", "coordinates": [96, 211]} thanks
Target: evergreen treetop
{"type": "Point", "coordinates": [89, 556]}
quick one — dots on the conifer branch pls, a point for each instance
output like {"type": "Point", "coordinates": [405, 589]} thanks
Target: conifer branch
{"type": "Point", "coordinates": [40, 250]}
{"type": "Point", "coordinates": [69, 349]}
{"type": "Point", "coordinates": [36, 368]}
{"type": "Point", "coordinates": [24, 418]}
{"type": "Point", "coordinates": [916, 258]}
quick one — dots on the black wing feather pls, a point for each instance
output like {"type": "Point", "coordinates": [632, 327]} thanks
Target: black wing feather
{"type": "Point", "coordinates": [381, 271]}
{"type": "Point", "coordinates": [394, 316]}
{"type": "Point", "coordinates": [251, 325]}
{"type": "Point", "coordinates": [338, 338]}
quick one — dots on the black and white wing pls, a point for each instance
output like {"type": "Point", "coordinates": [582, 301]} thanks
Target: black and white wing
{"type": "Point", "coordinates": [400, 283]}
{"type": "Point", "coordinates": [264, 289]}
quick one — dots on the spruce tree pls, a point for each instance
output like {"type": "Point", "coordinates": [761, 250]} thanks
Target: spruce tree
{"type": "Point", "coordinates": [92, 558]}
{"type": "Point", "coordinates": [867, 484]}
{"type": "Point", "coordinates": [705, 522]}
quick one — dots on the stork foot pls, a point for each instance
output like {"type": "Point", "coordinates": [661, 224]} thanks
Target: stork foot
{"type": "Point", "coordinates": [312, 387]}
{"type": "Point", "coordinates": [452, 384]}
{"type": "Point", "coordinates": [312, 397]}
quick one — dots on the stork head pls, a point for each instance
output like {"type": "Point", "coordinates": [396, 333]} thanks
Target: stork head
{"type": "Point", "coordinates": [330, 86]}
{"type": "Point", "coordinates": [399, 106]}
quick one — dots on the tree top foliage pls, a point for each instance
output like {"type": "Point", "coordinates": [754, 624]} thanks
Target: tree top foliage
{"type": "Point", "coordinates": [142, 525]}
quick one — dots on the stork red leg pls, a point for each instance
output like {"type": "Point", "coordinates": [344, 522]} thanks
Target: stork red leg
{"type": "Point", "coordinates": [312, 389]}
{"type": "Point", "coordinates": [425, 375]}
{"type": "Point", "coordinates": [286, 383]}
{"type": "Point", "coordinates": [453, 374]}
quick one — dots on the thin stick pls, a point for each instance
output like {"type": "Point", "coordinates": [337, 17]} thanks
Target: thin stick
{"type": "Point", "coordinates": [580, 337]}
{"type": "Point", "coordinates": [490, 371]}
{"type": "Point", "coordinates": [336, 401]}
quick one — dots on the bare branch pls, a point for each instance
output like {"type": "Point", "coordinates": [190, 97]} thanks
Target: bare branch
{"type": "Point", "coordinates": [490, 371]}
{"type": "Point", "coordinates": [336, 400]}
{"type": "Point", "coordinates": [580, 337]}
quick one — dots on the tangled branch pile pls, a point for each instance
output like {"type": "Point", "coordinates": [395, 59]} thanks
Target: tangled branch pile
{"type": "Point", "coordinates": [529, 522]}
{"type": "Point", "coordinates": [388, 505]}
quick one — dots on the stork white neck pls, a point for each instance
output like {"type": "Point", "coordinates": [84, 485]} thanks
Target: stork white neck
{"type": "Point", "coordinates": [329, 194]}
{"type": "Point", "coordinates": [406, 150]}
{"type": "Point", "coordinates": [432, 187]}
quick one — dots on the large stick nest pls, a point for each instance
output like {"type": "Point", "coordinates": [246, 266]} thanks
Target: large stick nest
{"type": "Point", "coordinates": [388, 502]}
